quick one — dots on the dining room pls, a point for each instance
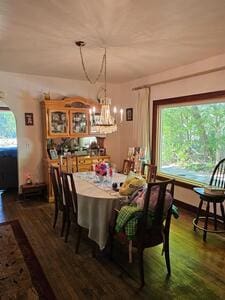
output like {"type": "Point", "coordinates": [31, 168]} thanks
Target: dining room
{"type": "Point", "coordinates": [120, 169]}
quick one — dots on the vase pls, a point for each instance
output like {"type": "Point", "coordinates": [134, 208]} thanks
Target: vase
{"type": "Point", "coordinates": [101, 178]}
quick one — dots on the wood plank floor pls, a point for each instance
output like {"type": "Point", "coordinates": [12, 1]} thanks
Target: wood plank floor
{"type": "Point", "coordinates": [198, 268]}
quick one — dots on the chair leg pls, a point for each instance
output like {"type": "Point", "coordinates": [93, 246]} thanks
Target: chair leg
{"type": "Point", "coordinates": [94, 249]}
{"type": "Point", "coordinates": [223, 214]}
{"type": "Point", "coordinates": [141, 267]}
{"type": "Point", "coordinates": [198, 213]}
{"type": "Point", "coordinates": [167, 255]}
{"type": "Point", "coordinates": [206, 221]}
{"type": "Point", "coordinates": [78, 239]}
{"type": "Point", "coordinates": [67, 230]}
{"type": "Point", "coordinates": [63, 222]}
{"type": "Point", "coordinates": [111, 239]}
{"type": "Point", "coordinates": [215, 216]}
{"type": "Point", "coordinates": [55, 216]}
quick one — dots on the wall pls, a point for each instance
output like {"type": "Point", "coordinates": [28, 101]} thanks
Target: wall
{"type": "Point", "coordinates": [23, 94]}
{"type": "Point", "coordinates": [210, 76]}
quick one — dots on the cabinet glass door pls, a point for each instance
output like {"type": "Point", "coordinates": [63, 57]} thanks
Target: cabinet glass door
{"type": "Point", "coordinates": [79, 123]}
{"type": "Point", "coordinates": [58, 121]}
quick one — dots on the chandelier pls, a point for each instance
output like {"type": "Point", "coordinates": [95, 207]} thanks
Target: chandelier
{"type": "Point", "coordinates": [106, 121]}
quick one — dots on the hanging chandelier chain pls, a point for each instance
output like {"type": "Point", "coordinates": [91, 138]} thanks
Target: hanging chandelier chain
{"type": "Point", "coordinates": [105, 73]}
{"type": "Point", "coordinates": [104, 122]}
{"type": "Point", "coordinates": [100, 71]}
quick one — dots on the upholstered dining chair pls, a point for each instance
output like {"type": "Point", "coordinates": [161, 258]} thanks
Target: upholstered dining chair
{"type": "Point", "coordinates": [58, 195]}
{"type": "Point", "coordinates": [128, 165]}
{"type": "Point", "coordinates": [153, 224]}
{"type": "Point", "coordinates": [149, 172]}
{"type": "Point", "coordinates": [71, 206]}
{"type": "Point", "coordinates": [217, 180]}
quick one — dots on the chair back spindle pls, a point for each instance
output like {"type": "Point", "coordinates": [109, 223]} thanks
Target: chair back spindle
{"type": "Point", "coordinates": [150, 174]}
{"type": "Point", "coordinates": [128, 165]}
{"type": "Point", "coordinates": [218, 175]}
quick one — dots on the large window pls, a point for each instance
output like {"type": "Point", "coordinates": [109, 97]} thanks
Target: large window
{"type": "Point", "coordinates": [190, 137]}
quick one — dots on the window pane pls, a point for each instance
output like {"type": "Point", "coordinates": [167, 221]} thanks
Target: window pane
{"type": "Point", "coordinates": [192, 140]}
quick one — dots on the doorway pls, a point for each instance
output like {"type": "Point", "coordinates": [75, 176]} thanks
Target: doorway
{"type": "Point", "coordinates": [8, 149]}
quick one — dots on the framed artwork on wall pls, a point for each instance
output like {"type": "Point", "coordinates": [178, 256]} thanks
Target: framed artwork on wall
{"type": "Point", "coordinates": [129, 114]}
{"type": "Point", "coordinates": [53, 154]}
{"type": "Point", "coordinates": [29, 119]}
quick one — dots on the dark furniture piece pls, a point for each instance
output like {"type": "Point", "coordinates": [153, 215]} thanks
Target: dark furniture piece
{"type": "Point", "coordinates": [128, 165]}
{"type": "Point", "coordinates": [58, 195]}
{"type": "Point", "coordinates": [158, 232]}
{"type": "Point", "coordinates": [37, 190]}
{"type": "Point", "coordinates": [71, 206]}
{"type": "Point", "coordinates": [150, 175]}
{"type": "Point", "coordinates": [217, 180]}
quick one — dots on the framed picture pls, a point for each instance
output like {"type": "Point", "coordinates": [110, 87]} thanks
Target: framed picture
{"type": "Point", "coordinates": [129, 114]}
{"type": "Point", "coordinates": [53, 154]}
{"type": "Point", "coordinates": [29, 119]}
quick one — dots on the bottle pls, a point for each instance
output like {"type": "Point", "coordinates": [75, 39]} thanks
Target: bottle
{"type": "Point", "coordinates": [110, 171]}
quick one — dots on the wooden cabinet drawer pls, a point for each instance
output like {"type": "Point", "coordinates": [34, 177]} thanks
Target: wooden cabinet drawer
{"type": "Point", "coordinates": [84, 161]}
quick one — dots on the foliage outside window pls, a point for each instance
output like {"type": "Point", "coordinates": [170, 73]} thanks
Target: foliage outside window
{"type": "Point", "coordinates": [191, 140]}
{"type": "Point", "coordinates": [7, 129]}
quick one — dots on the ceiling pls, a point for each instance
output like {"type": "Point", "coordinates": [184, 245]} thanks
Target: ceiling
{"type": "Point", "coordinates": [142, 37]}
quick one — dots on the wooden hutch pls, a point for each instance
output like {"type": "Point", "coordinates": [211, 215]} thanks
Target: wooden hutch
{"type": "Point", "coordinates": [67, 118]}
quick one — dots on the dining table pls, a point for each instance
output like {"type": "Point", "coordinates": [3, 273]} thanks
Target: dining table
{"type": "Point", "coordinates": [96, 200]}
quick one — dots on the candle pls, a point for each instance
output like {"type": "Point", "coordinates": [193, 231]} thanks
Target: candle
{"type": "Point", "coordinates": [90, 111]}
{"type": "Point", "coordinates": [93, 109]}
{"type": "Point", "coordinates": [114, 110]}
{"type": "Point", "coordinates": [107, 115]}
{"type": "Point", "coordinates": [121, 115]}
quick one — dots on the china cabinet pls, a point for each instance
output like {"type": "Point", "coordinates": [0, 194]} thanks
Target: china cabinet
{"type": "Point", "coordinates": [65, 119]}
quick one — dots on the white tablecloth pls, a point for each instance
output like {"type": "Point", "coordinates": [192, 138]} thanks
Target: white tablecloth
{"type": "Point", "coordinates": [95, 204]}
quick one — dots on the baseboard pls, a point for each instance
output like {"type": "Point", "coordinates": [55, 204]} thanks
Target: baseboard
{"type": "Point", "coordinates": [193, 208]}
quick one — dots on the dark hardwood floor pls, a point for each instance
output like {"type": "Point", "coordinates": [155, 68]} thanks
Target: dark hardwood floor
{"type": "Point", "coordinates": [198, 268]}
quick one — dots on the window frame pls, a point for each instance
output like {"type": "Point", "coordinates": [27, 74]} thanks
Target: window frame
{"type": "Point", "coordinates": [157, 104]}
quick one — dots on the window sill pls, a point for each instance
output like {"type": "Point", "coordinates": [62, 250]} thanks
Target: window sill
{"type": "Point", "coordinates": [178, 182]}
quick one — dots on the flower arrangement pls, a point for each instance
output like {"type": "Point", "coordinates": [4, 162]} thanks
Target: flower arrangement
{"type": "Point", "coordinates": [101, 169]}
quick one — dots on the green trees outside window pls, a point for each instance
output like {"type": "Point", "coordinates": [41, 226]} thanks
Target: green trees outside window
{"type": "Point", "coordinates": [192, 140]}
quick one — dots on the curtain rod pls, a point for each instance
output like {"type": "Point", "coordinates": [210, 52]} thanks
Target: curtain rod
{"type": "Point", "coordinates": [177, 78]}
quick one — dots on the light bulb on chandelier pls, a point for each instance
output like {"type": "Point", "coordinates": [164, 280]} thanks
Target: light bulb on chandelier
{"type": "Point", "coordinates": [103, 122]}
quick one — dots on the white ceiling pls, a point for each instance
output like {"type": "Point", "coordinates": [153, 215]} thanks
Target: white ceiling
{"type": "Point", "coordinates": [142, 37]}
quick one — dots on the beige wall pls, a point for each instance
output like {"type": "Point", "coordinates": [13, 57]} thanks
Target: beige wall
{"type": "Point", "coordinates": [23, 94]}
{"type": "Point", "coordinates": [211, 77]}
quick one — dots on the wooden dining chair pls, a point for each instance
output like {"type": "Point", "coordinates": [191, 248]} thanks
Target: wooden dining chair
{"type": "Point", "coordinates": [149, 172]}
{"type": "Point", "coordinates": [150, 235]}
{"type": "Point", "coordinates": [217, 180]}
{"type": "Point", "coordinates": [128, 165]}
{"type": "Point", "coordinates": [71, 206]}
{"type": "Point", "coordinates": [58, 195]}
